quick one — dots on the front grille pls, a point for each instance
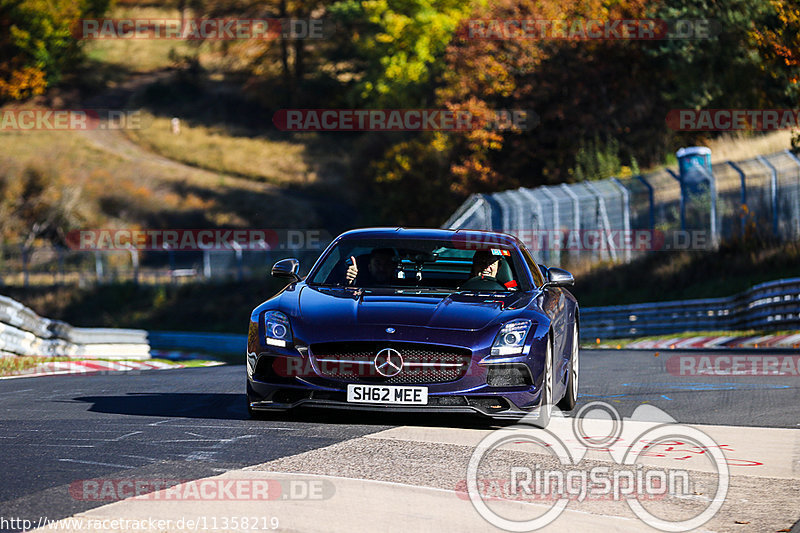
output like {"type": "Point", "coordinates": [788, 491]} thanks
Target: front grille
{"type": "Point", "coordinates": [422, 363]}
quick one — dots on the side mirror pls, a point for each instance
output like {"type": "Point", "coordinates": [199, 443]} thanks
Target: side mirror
{"type": "Point", "coordinates": [558, 277]}
{"type": "Point", "coordinates": [286, 268]}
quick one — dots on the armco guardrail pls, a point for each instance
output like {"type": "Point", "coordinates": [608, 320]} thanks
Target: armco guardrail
{"type": "Point", "coordinates": [229, 343]}
{"type": "Point", "coordinates": [774, 305]}
{"type": "Point", "coordinates": [23, 332]}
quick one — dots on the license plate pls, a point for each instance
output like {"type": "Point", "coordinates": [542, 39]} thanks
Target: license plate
{"type": "Point", "coordinates": [387, 394]}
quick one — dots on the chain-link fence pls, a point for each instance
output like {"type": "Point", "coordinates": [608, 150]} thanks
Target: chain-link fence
{"type": "Point", "coordinates": [619, 219]}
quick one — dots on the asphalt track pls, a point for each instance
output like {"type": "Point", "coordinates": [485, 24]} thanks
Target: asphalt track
{"type": "Point", "coordinates": [192, 423]}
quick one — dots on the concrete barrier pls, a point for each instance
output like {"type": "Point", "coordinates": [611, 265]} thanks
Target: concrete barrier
{"type": "Point", "coordinates": [23, 332]}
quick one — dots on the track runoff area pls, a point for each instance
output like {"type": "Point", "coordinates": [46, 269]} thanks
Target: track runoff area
{"type": "Point", "coordinates": [651, 446]}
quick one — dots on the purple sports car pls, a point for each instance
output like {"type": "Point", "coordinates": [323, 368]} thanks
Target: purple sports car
{"type": "Point", "coordinates": [412, 320]}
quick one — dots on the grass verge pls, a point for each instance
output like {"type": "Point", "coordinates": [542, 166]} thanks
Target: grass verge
{"type": "Point", "coordinates": [624, 343]}
{"type": "Point", "coordinates": [664, 276]}
{"type": "Point", "coordinates": [11, 365]}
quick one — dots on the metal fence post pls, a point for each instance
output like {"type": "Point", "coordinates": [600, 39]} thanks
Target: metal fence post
{"type": "Point", "coordinates": [237, 248]}
{"type": "Point", "coordinates": [773, 192]}
{"type": "Point", "coordinates": [472, 204]}
{"type": "Point", "coordinates": [25, 273]}
{"type": "Point", "coordinates": [576, 215]}
{"type": "Point", "coordinates": [601, 204]}
{"type": "Point", "coordinates": [98, 267]}
{"type": "Point", "coordinates": [743, 198]}
{"type": "Point", "coordinates": [797, 213]}
{"type": "Point", "coordinates": [206, 264]}
{"type": "Point", "coordinates": [712, 191]}
{"type": "Point", "coordinates": [60, 253]}
{"type": "Point", "coordinates": [576, 206]}
{"type": "Point", "coordinates": [626, 216]}
{"type": "Point", "coordinates": [505, 211]}
{"type": "Point", "coordinates": [683, 199]}
{"type": "Point", "coordinates": [514, 196]}
{"type": "Point", "coordinates": [539, 218]}
{"type": "Point", "coordinates": [556, 222]}
{"type": "Point", "coordinates": [651, 198]}
{"type": "Point", "coordinates": [135, 262]}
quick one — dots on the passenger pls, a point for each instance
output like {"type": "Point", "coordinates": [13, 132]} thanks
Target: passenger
{"type": "Point", "coordinates": [485, 266]}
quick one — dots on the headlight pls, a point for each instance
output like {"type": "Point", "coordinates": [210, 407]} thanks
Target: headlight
{"type": "Point", "coordinates": [511, 338]}
{"type": "Point", "coordinates": [278, 330]}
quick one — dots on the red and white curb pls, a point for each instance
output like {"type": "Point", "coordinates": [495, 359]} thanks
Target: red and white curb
{"type": "Point", "coordinates": [790, 341]}
{"type": "Point", "coordinates": [85, 367]}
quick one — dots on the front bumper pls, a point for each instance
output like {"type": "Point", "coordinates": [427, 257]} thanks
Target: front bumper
{"type": "Point", "coordinates": [272, 386]}
{"type": "Point", "coordinates": [469, 394]}
{"type": "Point", "coordinates": [494, 407]}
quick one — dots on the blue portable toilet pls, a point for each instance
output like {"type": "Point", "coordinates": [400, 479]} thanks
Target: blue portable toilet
{"type": "Point", "coordinates": [697, 178]}
{"type": "Point", "coordinates": [694, 165]}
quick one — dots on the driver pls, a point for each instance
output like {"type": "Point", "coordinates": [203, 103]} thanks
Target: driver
{"type": "Point", "coordinates": [484, 273]}
{"type": "Point", "coordinates": [380, 269]}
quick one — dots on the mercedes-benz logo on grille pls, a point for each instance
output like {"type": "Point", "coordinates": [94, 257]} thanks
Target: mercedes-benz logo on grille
{"type": "Point", "coordinates": [388, 362]}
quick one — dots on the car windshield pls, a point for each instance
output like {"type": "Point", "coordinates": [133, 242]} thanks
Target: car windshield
{"type": "Point", "coordinates": [419, 263]}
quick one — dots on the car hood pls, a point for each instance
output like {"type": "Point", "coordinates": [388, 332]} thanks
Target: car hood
{"type": "Point", "coordinates": [326, 307]}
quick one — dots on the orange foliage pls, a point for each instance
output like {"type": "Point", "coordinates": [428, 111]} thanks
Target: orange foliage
{"type": "Point", "coordinates": [20, 83]}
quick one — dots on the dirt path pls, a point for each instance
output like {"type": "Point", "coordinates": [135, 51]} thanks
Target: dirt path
{"type": "Point", "coordinates": [282, 207]}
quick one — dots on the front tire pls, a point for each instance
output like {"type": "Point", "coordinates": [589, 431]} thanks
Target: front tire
{"type": "Point", "coordinates": [570, 398]}
{"type": "Point", "coordinates": [546, 402]}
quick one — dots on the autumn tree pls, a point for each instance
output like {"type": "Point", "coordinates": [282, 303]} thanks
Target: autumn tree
{"type": "Point", "coordinates": [37, 42]}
